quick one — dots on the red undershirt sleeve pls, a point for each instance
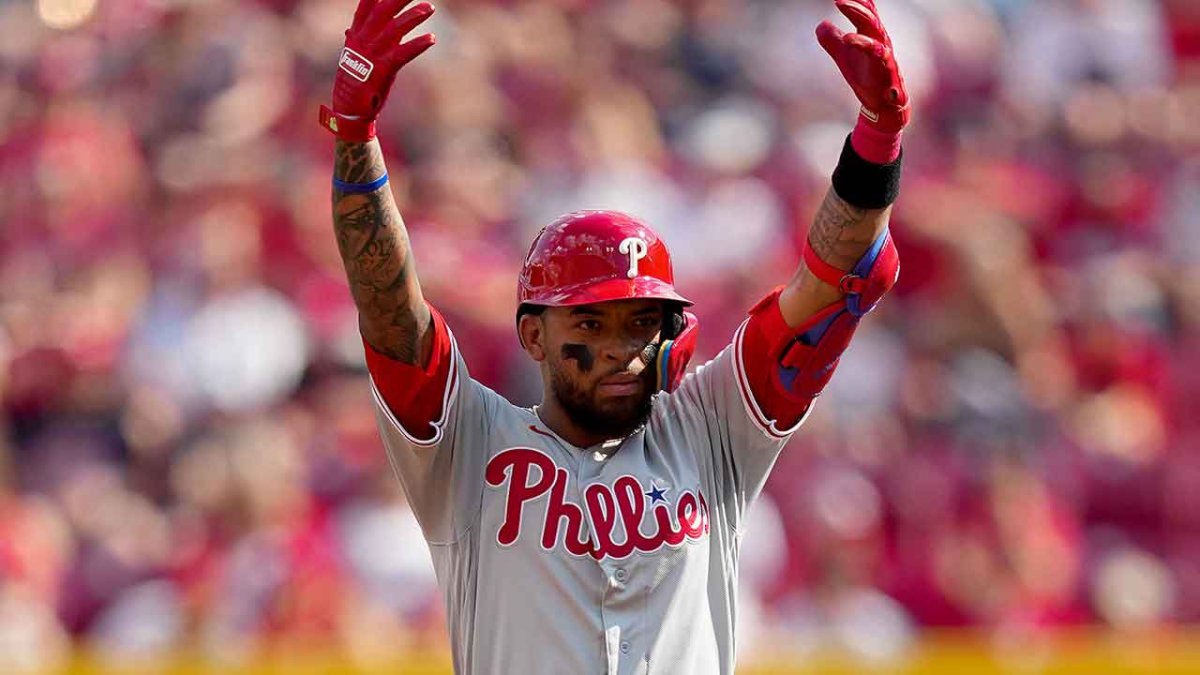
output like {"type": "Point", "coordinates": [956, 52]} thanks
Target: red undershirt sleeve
{"type": "Point", "coordinates": [415, 395]}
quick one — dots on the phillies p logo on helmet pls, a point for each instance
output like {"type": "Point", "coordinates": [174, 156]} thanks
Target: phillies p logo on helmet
{"type": "Point", "coordinates": [636, 249]}
{"type": "Point", "coordinates": [594, 256]}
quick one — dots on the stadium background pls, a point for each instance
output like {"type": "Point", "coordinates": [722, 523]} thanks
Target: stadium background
{"type": "Point", "coordinates": [1004, 475]}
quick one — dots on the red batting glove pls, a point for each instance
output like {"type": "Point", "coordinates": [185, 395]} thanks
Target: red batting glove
{"type": "Point", "coordinates": [369, 62]}
{"type": "Point", "coordinates": [869, 65]}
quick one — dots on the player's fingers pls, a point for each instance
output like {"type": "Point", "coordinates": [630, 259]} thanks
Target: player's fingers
{"type": "Point", "coordinates": [361, 13]}
{"type": "Point", "coordinates": [864, 18]}
{"type": "Point", "coordinates": [403, 53]}
{"type": "Point", "coordinates": [864, 44]}
{"type": "Point", "coordinates": [830, 37]}
{"type": "Point", "coordinates": [409, 19]}
{"type": "Point", "coordinates": [382, 15]}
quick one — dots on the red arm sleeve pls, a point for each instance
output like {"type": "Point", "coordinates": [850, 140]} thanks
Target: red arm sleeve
{"type": "Point", "coordinates": [415, 395]}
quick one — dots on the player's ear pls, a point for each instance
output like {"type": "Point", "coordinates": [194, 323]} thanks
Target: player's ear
{"type": "Point", "coordinates": [532, 331]}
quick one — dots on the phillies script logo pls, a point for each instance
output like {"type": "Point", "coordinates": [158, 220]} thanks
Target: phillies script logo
{"type": "Point", "coordinates": [356, 64]}
{"type": "Point", "coordinates": [531, 474]}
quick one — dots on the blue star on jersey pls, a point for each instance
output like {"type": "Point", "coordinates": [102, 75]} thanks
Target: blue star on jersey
{"type": "Point", "coordinates": [657, 494]}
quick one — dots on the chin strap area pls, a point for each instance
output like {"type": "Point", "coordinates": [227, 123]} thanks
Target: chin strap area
{"type": "Point", "coordinates": [808, 357]}
{"type": "Point", "coordinates": [675, 351]}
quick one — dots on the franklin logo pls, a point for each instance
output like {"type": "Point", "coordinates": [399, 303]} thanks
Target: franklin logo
{"type": "Point", "coordinates": [356, 64]}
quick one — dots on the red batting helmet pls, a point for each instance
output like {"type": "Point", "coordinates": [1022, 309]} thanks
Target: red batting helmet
{"type": "Point", "coordinates": [593, 256]}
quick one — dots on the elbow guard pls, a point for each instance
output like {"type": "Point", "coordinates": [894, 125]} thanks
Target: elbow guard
{"type": "Point", "coordinates": [807, 356]}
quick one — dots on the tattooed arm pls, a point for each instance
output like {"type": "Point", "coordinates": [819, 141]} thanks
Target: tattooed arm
{"type": "Point", "coordinates": [840, 234]}
{"type": "Point", "coordinates": [392, 314]}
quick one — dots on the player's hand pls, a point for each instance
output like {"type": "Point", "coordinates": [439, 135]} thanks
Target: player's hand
{"type": "Point", "coordinates": [868, 64]}
{"type": "Point", "coordinates": [368, 64]}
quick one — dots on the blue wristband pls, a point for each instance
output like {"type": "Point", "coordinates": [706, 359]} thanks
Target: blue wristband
{"type": "Point", "coordinates": [360, 188]}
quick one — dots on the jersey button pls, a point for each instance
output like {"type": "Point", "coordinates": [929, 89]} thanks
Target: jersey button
{"type": "Point", "coordinates": [624, 646]}
{"type": "Point", "coordinates": [621, 575]}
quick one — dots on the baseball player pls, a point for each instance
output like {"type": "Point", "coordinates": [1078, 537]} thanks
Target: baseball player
{"type": "Point", "coordinates": [598, 531]}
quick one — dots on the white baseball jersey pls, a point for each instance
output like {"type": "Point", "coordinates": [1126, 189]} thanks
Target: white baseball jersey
{"type": "Point", "coordinates": [557, 559]}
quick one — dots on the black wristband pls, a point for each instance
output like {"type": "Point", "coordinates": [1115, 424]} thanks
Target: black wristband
{"type": "Point", "coordinates": [863, 184]}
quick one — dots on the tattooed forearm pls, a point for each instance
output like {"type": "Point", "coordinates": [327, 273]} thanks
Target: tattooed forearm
{"type": "Point", "coordinates": [840, 234]}
{"type": "Point", "coordinates": [358, 162]}
{"type": "Point", "coordinates": [375, 250]}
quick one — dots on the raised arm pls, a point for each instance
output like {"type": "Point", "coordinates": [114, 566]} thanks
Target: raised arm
{"type": "Point", "coordinates": [792, 343]}
{"type": "Point", "coordinates": [370, 233]}
{"type": "Point", "coordinates": [392, 315]}
{"type": "Point", "coordinates": [856, 209]}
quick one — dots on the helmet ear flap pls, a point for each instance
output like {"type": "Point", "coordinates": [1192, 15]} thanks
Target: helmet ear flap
{"type": "Point", "coordinates": [673, 321]}
{"type": "Point", "coordinates": [676, 350]}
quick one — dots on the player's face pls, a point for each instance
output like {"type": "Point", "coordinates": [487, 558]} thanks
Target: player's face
{"type": "Point", "coordinates": [597, 363]}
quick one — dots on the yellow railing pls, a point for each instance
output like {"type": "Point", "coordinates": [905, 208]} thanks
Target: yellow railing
{"type": "Point", "coordinates": [1084, 652]}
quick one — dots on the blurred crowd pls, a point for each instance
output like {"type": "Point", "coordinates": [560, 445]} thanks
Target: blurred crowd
{"type": "Point", "coordinates": [188, 452]}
